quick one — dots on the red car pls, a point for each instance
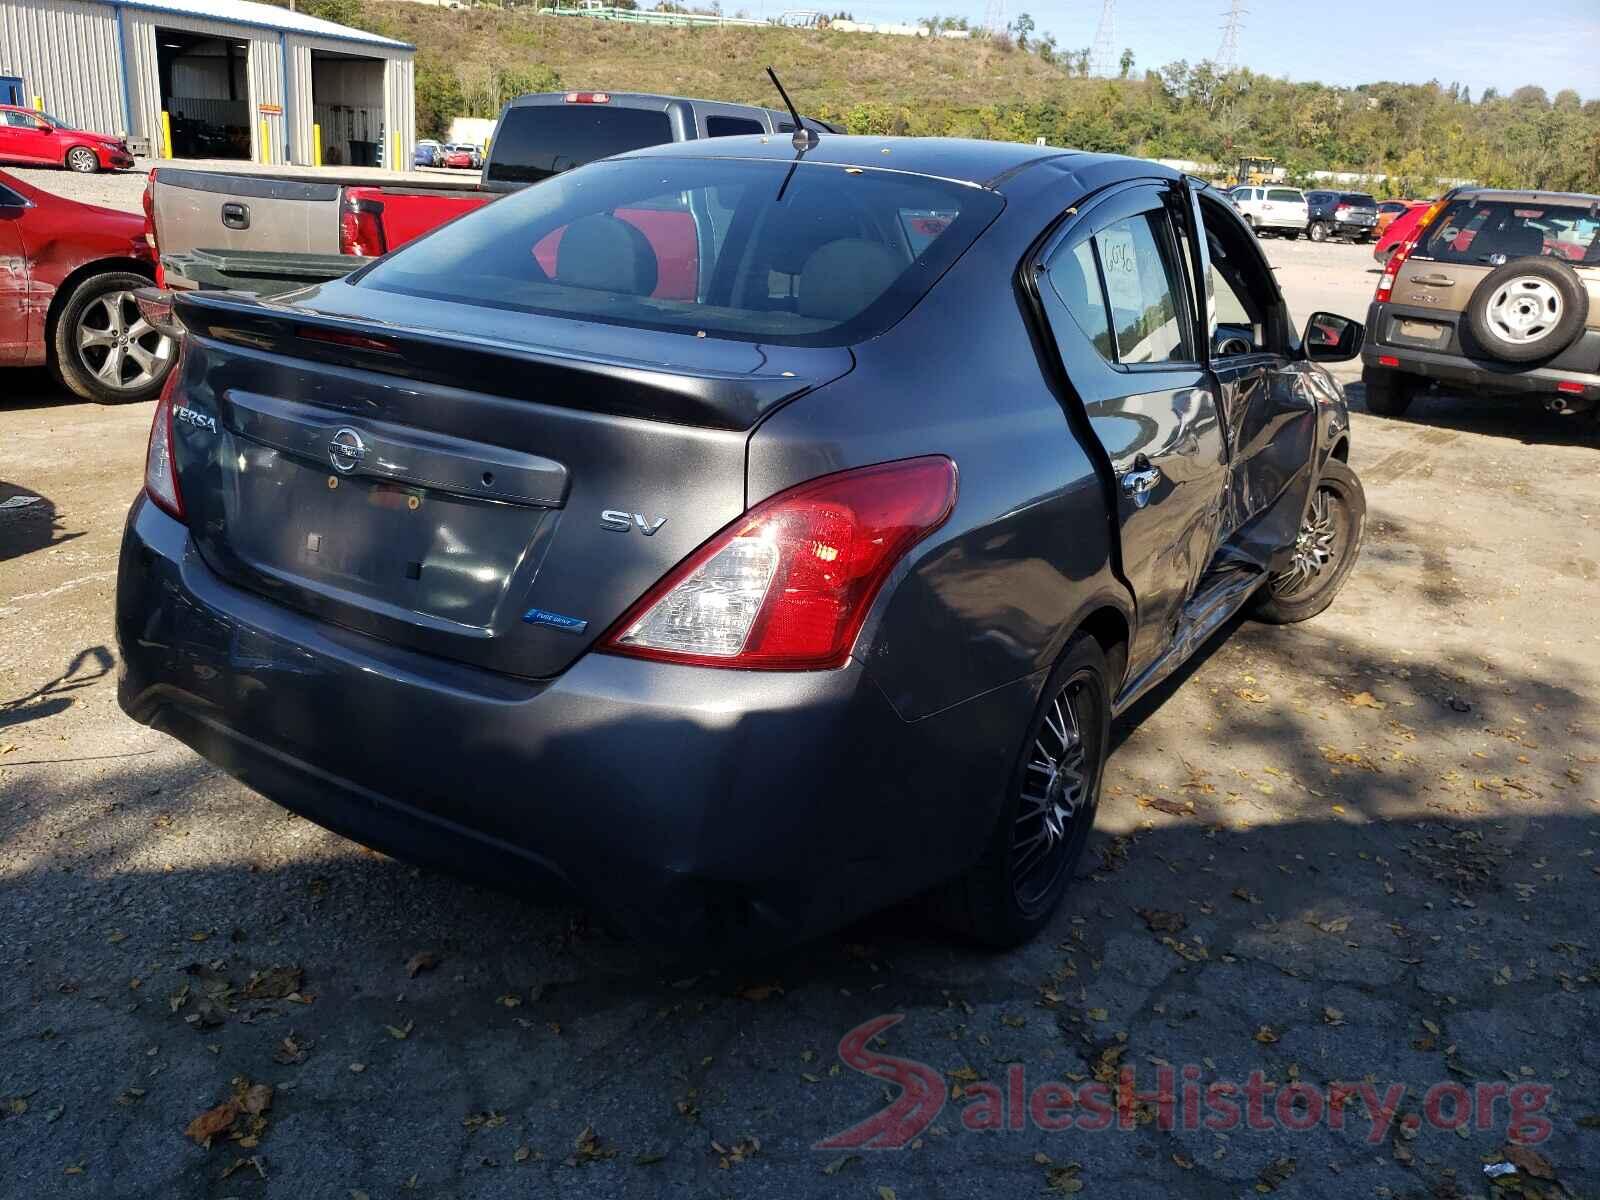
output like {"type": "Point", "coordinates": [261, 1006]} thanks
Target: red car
{"type": "Point", "coordinates": [1398, 227]}
{"type": "Point", "coordinates": [67, 299]}
{"type": "Point", "coordinates": [459, 157]}
{"type": "Point", "coordinates": [38, 138]}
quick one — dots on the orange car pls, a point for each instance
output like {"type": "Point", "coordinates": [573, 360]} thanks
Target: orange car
{"type": "Point", "coordinates": [1390, 209]}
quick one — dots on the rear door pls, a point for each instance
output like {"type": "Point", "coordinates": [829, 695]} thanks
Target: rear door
{"type": "Point", "coordinates": [1111, 285]}
{"type": "Point", "coordinates": [22, 139]}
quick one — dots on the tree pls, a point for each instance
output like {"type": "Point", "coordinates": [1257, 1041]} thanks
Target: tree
{"type": "Point", "coordinates": [1022, 28]}
{"type": "Point", "coordinates": [1125, 63]}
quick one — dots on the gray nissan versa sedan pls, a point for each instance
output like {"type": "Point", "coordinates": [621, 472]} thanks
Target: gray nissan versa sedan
{"type": "Point", "coordinates": [742, 538]}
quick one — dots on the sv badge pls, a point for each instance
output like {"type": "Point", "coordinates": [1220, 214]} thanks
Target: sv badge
{"type": "Point", "coordinates": [621, 522]}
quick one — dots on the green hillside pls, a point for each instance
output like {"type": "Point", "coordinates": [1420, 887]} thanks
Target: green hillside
{"type": "Point", "coordinates": [470, 61]}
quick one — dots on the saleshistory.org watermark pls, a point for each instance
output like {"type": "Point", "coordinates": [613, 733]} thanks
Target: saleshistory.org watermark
{"type": "Point", "coordinates": [1180, 1098]}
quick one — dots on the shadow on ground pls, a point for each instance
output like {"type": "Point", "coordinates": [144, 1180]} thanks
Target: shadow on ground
{"type": "Point", "coordinates": [1372, 918]}
{"type": "Point", "coordinates": [1519, 418]}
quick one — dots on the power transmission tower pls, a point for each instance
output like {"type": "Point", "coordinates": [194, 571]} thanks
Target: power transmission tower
{"type": "Point", "coordinates": [994, 17]}
{"type": "Point", "coordinates": [1103, 58]}
{"type": "Point", "coordinates": [1228, 53]}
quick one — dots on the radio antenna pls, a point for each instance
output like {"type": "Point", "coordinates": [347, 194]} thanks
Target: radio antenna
{"type": "Point", "coordinates": [804, 138]}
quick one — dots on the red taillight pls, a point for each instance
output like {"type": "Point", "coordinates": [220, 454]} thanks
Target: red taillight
{"type": "Point", "coordinates": [361, 229]}
{"type": "Point", "coordinates": [588, 97]}
{"type": "Point", "coordinates": [1391, 269]}
{"type": "Point", "coordinates": [787, 586]}
{"type": "Point", "coordinates": [1571, 388]}
{"type": "Point", "coordinates": [1388, 360]}
{"type": "Point", "coordinates": [160, 468]}
{"type": "Point", "coordinates": [149, 203]}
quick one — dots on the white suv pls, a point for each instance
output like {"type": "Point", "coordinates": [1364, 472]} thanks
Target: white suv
{"type": "Point", "coordinates": [1272, 209]}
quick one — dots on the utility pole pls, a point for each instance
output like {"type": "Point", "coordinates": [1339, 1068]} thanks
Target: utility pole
{"type": "Point", "coordinates": [1103, 58]}
{"type": "Point", "coordinates": [994, 17]}
{"type": "Point", "coordinates": [1228, 53]}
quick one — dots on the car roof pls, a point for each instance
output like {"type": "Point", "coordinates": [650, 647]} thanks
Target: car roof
{"type": "Point", "coordinates": [1528, 197]}
{"type": "Point", "coordinates": [963, 160]}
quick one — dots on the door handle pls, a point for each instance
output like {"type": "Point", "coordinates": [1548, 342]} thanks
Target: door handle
{"type": "Point", "coordinates": [1438, 281]}
{"type": "Point", "coordinates": [236, 215]}
{"type": "Point", "coordinates": [1138, 483]}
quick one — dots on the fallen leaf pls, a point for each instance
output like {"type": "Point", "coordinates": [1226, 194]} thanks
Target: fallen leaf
{"type": "Point", "coordinates": [1266, 1035]}
{"type": "Point", "coordinates": [1364, 700]}
{"type": "Point", "coordinates": [1160, 921]}
{"type": "Point", "coordinates": [886, 1193]}
{"type": "Point", "coordinates": [275, 983]}
{"type": "Point", "coordinates": [257, 1099]}
{"type": "Point", "coordinates": [212, 1122]}
{"type": "Point", "coordinates": [1252, 695]}
{"type": "Point", "coordinates": [1171, 807]}
{"type": "Point", "coordinates": [1275, 1174]}
{"type": "Point", "coordinates": [401, 1032]}
{"type": "Point", "coordinates": [1332, 1016]}
{"type": "Point", "coordinates": [760, 992]}
{"type": "Point", "coordinates": [422, 960]}
{"type": "Point", "coordinates": [1529, 1161]}
{"type": "Point", "coordinates": [840, 1164]}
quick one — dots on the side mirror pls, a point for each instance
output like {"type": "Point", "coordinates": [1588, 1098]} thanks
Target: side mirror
{"type": "Point", "coordinates": [1331, 338]}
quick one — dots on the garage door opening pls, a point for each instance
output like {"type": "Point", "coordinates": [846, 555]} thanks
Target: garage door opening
{"type": "Point", "coordinates": [347, 106]}
{"type": "Point", "coordinates": [205, 93]}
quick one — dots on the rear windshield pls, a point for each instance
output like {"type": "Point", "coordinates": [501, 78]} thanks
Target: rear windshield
{"type": "Point", "coordinates": [799, 254]}
{"type": "Point", "coordinates": [1284, 194]}
{"type": "Point", "coordinates": [537, 141]}
{"type": "Point", "coordinates": [1496, 230]}
{"type": "Point", "coordinates": [1358, 200]}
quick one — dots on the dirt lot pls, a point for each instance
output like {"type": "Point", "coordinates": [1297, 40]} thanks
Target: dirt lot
{"type": "Point", "coordinates": [1362, 850]}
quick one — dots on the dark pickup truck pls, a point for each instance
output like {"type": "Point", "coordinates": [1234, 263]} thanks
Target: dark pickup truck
{"type": "Point", "coordinates": [270, 234]}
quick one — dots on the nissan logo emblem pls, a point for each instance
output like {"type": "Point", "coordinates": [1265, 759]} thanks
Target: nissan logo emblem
{"type": "Point", "coordinates": [346, 450]}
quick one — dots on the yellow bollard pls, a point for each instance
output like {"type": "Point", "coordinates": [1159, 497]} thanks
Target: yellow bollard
{"type": "Point", "coordinates": [166, 135]}
{"type": "Point", "coordinates": [316, 145]}
{"type": "Point", "coordinates": [266, 143]}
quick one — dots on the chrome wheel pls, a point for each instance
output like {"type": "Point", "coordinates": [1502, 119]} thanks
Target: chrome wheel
{"type": "Point", "coordinates": [118, 346]}
{"type": "Point", "coordinates": [82, 159]}
{"type": "Point", "coordinates": [1316, 547]}
{"type": "Point", "coordinates": [1057, 793]}
{"type": "Point", "coordinates": [1524, 309]}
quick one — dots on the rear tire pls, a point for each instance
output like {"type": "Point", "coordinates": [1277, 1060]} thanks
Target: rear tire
{"type": "Point", "coordinates": [1291, 234]}
{"type": "Point", "coordinates": [102, 349]}
{"type": "Point", "coordinates": [82, 160]}
{"type": "Point", "coordinates": [1027, 865]}
{"type": "Point", "coordinates": [1389, 393]}
{"type": "Point", "coordinates": [1328, 545]}
{"type": "Point", "coordinates": [1318, 231]}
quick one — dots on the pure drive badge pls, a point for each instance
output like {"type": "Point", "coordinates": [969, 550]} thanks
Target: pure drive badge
{"type": "Point", "coordinates": [540, 616]}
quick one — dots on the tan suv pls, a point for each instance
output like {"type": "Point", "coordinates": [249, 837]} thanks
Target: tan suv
{"type": "Point", "coordinates": [1495, 289]}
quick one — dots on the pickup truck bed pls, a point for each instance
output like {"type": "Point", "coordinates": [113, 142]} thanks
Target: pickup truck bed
{"type": "Point", "coordinates": [294, 214]}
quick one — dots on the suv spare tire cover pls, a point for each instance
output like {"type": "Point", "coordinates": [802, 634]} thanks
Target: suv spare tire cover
{"type": "Point", "coordinates": [1528, 309]}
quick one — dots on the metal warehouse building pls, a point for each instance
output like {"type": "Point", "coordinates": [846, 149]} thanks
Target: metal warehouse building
{"type": "Point", "coordinates": [213, 79]}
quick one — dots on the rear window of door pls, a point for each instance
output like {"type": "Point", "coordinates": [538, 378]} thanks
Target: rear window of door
{"type": "Point", "coordinates": [537, 141]}
{"type": "Point", "coordinates": [1121, 288]}
{"type": "Point", "coordinates": [1285, 194]}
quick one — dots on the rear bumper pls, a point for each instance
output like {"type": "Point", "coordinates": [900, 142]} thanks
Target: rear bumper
{"type": "Point", "coordinates": [1349, 229]}
{"type": "Point", "coordinates": [691, 806]}
{"type": "Point", "coordinates": [1452, 365]}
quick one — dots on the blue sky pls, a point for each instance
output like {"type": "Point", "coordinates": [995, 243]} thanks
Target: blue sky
{"type": "Point", "coordinates": [1555, 43]}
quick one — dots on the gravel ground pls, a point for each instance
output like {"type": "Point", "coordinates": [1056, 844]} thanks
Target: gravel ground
{"type": "Point", "coordinates": [1360, 850]}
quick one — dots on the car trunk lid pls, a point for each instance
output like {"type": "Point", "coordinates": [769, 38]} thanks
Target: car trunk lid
{"type": "Point", "coordinates": [495, 499]}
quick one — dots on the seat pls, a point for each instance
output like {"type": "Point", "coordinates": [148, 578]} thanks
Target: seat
{"type": "Point", "coordinates": [841, 279]}
{"type": "Point", "coordinates": [1520, 241]}
{"type": "Point", "coordinates": [606, 254]}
